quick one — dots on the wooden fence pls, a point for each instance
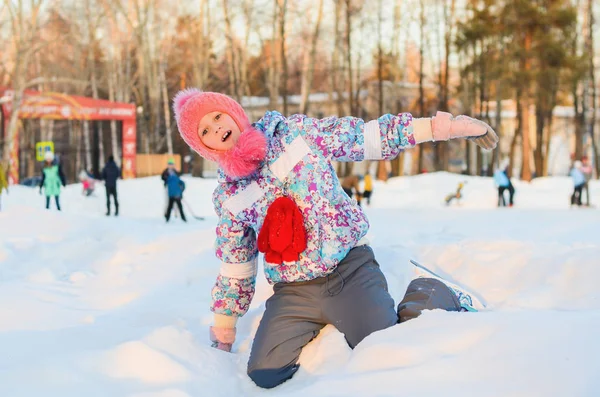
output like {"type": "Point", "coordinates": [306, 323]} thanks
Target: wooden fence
{"type": "Point", "coordinates": [154, 164]}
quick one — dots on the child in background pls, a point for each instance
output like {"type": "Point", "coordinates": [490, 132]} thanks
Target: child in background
{"type": "Point", "coordinates": [587, 170]}
{"type": "Point", "coordinates": [278, 194]}
{"type": "Point", "coordinates": [351, 188]}
{"type": "Point", "coordinates": [3, 179]}
{"type": "Point", "coordinates": [503, 183]}
{"type": "Point", "coordinates": [175, 188]}
{"type": "Point", "coordinates": [52, 178]}
{"type": "Point", "coordinates": [88, 183]}
{"type": "Point", "coordinates": [578, 182]}
{"type": "Point", "coordinates": [368, 188]}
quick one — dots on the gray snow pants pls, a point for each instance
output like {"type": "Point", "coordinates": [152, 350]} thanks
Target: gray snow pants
{"type": "Point", "coordinates": [354, 298]}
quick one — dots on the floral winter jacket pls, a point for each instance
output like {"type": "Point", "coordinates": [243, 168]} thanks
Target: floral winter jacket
{"type": "Point", "coordinates": [298, 165]}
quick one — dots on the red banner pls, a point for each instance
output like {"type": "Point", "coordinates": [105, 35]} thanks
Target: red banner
{"type": "Point", "coordinates": [129, 149]}
{"type": "Point", "coordinates": [53, 105]}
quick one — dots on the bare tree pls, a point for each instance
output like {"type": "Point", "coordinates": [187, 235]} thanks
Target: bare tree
{"type": "Point", "coordinates": [232, 56]}
{"type": "Point", "coordinates": [24, 26]}
{"type": "Point", "coordinates": [590, 50]}
{"type": "Point", "coordinates": [92, 21]}
{"type": "Point", "coordinates": [337, 68]}
{"type": "Point", "coordinates": [380, 56]}
{"type": "Point", "coordinates": [282, 7]}
{"type": "Point", "coordinates": [248, 7]}
{"type": "Point", "coordinates": [201, 56]}
{"type": "Point", "coordinates": [274, 64]}
{"type": "Point", "coordinates": [449, 11]}
{"type": "Point", "coordinates": [166, 107]}
{"type": "Point", "coordinates": [309, 62]}
{"type": "Point", "coordinates": [348, 38]}
{"type": "Point", "coordinates": [422, 22]}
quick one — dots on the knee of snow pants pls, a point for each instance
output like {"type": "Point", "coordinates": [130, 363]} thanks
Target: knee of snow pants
{"type": "Point", "coordinates": [426, 294]}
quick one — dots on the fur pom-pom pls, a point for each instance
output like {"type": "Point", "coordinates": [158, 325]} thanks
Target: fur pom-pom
{"type": "Point", "coordinates": [182, 97]}
{"type": "Point", "coordinates": [244, 158]}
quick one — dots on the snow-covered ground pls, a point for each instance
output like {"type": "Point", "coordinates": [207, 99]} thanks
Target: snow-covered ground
{"type": "Point", "coordinates": [97, 306]}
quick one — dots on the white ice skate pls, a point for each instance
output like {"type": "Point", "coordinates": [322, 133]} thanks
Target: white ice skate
{"type": "Point", "coordinates": [468, 301]}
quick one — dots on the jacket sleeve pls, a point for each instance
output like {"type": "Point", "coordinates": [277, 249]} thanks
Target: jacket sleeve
{"type": "Point", "coordinates": [353, 139]}
{"type": "Point", "coordinates": [43, 179]}
{"type": "Point", "coordinates": [236, 249]}
{"type": "Point", "coordinates": [61, 175]}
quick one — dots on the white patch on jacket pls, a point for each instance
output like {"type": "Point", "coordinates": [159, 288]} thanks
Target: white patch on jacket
{"type": "Point", "coordinates": [292, 154]}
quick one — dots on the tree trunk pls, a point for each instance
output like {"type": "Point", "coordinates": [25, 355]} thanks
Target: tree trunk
{"type": "Point", "coordinates": [234, 85]}
{"type": "Point", "coordinates": [540, 125]}
{"type": "Point", "coordinates": [449, 21]}
{"type": "Point", "coordinates": [348, 37]}
{"type": "Point", "coordinates": [284, 68]}
{"type": "Point", "coordinates": [497, 128]}
{"type": "Point", "coordinates": [517, 133]}
{"type": "Point", "coordinates": [166, 108]}
{"type": "Point", "coordinates": [274, 63]}
{"type": "Point", "coordinates": [421, 77]}
{"type": "Point", "coordinates": [112, 76]}
{"type": "Point", "coordinates": [91, 29]}
{"type": "Point", "coordinates": [244, 83]}
{"type": "Point", "coordinates": [86, 145]}
{"type": "Point", "coordinates": [525, 101]}
{"type": "Point", "coordinates": [75, 130]}
{"type": "Point", "coordinates": [24, 33]}
{"type": "Point", "coordinates": [50, 134]}
{"type": "Point", "coordinates": [592, 71]}
{"type": "Point", "coordinates": [579, 122]}
{"type": "Point", "coordinates": [547, 143]}
{"type": "Point", "coordinates": [202, 56]}
{"type": "Point", "coordinates": [379, 58]}
{"type": "Point", "coordinates": [337, 66]}
{"type": "Point", "coordinates": [309, 64]}
{"type": "Point", "coordinates": [356, 100]}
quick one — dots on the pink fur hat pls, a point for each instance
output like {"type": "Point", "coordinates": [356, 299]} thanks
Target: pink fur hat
{"type": "Point", "coordinates": [191, 104]}
{"type": "Point", "coordinates": [244, 158]}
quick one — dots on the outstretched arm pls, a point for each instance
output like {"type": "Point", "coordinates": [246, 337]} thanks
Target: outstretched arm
{"type": "Point", "coordinates": [353, 139]}
{"type": "Point", "coordinates": [61, 175]}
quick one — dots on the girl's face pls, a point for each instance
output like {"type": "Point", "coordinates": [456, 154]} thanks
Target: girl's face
{"type": "Point", "coordinates": [217, 130]}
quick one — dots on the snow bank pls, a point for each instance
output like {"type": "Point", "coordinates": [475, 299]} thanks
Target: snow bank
{"type": "Point", "coordinates": [102, 306]}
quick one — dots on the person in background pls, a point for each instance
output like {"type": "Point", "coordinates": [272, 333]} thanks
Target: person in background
{"type": "Point", "coordinates": [52, 178]}
{"type": "Point", "coordinates": [3, 179]}
{"type": "Point", "coordinates": [457, 195]}
{"type": "Point", "coordinates": [368, 188]}
{"type": "Point", "coordinates": [110, 173]}
{"type": "Point", "coordinates": [175, 188]}
{"type": "Point", "coordinates": [164, 176]}
{"type": "Point", "coordinates": [170, 167]}
{"type": "Point", "coordinates": [350, 186]}
{"type": "Point", "coordinates": [503, 183]}
{"type": "Point", "coordinates": [88, 182]}
{"type": "Point", "coordinates": [578, 182]}
{"type": "Point", "coordinates": [586, 168]}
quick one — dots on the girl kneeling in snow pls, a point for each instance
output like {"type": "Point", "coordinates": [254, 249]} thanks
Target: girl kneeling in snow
{"type": "Point", "coordinates": [279, 194]}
